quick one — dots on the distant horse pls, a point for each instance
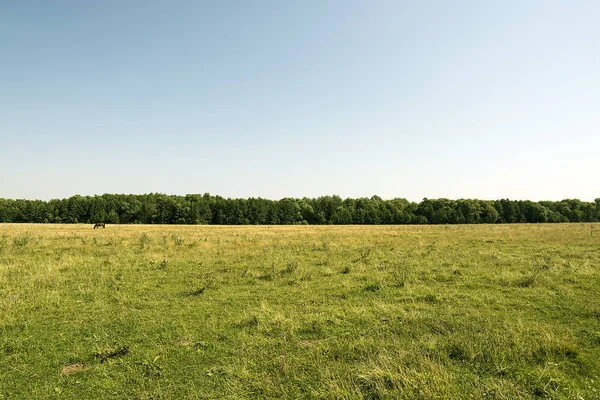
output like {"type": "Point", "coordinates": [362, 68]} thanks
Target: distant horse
{"type": "Point", "coordinates": [100, 225]}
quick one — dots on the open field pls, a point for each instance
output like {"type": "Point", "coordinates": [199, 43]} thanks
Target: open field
{"type": "Point", "coordinates": [155, 311]}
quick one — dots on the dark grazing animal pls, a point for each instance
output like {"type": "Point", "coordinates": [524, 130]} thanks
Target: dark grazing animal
{"type": "Point", "coordinates": [100, 225]}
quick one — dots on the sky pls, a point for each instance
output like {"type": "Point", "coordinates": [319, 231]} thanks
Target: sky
{"type": "Point", "coordinates": [414, 99]}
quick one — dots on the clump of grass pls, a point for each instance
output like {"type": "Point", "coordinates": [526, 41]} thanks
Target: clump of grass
{"type": "Point", "coordinates": [373, 286]}
{"type": "Point", "coordinates": [525, 281]}
{"type": "Point", "coordinates": [202, 345]}
{"type": "Point", "coordinates": [401, 273]}
{"type": "Point", "coordinates": [111, 352]}
{"type": "Point", "coordinates": [250, 321]}
{"type": "Point", "coordinates": [313, 329]}
{"type": "Point", "coordinates": [177, 240]}
{"type": "Point", "coordinates": [21, 241]}
{"type": "Point", "coordinates": [457, 352]}
{"type": "Point", "coordinates": [379, 382]}
{"type": "Point", "coordinates": [429, 298]}
{"type": "Point", "coordinates": [429, 249]}
{"type": "Point", "coordinates": [365, 253]}
{"type": "Point", "coordinates": [144, 241]}
{"type": "Point", "coordinates": [198, 283]}
{"type": "Point", "coordinates": [196, 291]}
{"type": "Point", "coordinates": [266, 276]}
{"type": "Point", "coordinates": [151, 368]}
{"type": "Point", "coordinates": [542, 265]}
{"type": "Point", "coordinates": [325, 243]}
{"type": "Point", "coordinates": [539, 266]}
{"type": "Point", "coordinates": [307, 276]}
{"type": "Point", "coordinates": [555, 351]}
{"type": "Point", "coordinates": [268, 273]}
{"type": "Point", "coordinates": [190, 344]}
{"type": "Point", "coordinates": [290, 268]}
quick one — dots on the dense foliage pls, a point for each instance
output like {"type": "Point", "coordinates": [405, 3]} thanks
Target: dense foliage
{"type": "Point", "coordinates": [158, 208]}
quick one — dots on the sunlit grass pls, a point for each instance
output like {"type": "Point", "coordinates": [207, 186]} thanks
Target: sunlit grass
{"type": "Point", "coordinates": [476, 311]}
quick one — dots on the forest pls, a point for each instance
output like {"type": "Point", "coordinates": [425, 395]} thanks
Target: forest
{"type": "Point", "coordinates": [156, 208]}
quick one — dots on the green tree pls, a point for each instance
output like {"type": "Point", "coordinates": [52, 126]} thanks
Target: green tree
{"type": "Point", "coordinates": [112, 217]}
{"type": "Point", "coordinates": [489, 214]}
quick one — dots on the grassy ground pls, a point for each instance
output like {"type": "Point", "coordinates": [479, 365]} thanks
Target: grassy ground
{"type": "Point", "coordinates": [495, 311]}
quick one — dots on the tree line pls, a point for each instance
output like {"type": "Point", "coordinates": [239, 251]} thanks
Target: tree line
{"type": "Point", "coordinates": [157, 208]}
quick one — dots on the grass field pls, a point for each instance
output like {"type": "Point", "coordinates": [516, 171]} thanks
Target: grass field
{"type": "Point", "coordinates": [332, 312]}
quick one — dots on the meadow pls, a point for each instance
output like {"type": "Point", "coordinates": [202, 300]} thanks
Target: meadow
{"type": "Point", "coordinates": [324, 312]}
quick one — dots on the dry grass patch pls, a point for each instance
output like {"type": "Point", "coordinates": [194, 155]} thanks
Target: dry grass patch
{"type": "Point", "coordinates": [73, 368]}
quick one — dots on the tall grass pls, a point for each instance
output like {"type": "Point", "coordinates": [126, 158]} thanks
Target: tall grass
{"type": "Point", "coordinates": [494, 311]}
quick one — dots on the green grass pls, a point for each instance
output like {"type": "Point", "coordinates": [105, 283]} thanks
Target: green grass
{"type": "Point", "coordinates": [340, 312]}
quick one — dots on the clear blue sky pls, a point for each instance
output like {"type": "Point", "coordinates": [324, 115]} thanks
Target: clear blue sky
{"type": "Point", "coordinates": [457, 99]}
